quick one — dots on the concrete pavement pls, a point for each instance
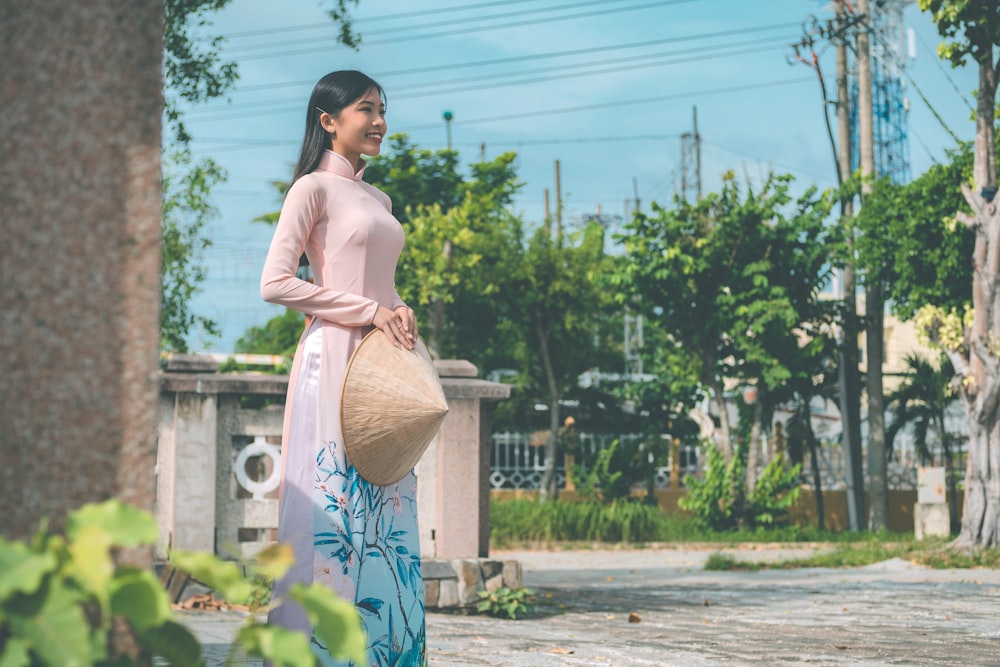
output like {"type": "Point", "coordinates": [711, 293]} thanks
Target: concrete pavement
{"type": "Point", "coordinates": [891, 613]}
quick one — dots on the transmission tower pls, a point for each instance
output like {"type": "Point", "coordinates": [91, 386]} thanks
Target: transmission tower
{"type": "Point", "coordinates": [691, 162]}
{"type": "Point", "coordinates": [890, 106]}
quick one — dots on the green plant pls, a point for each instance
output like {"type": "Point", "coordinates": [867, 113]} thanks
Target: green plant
{"type": "Point", "coordinates": [711, 499]}
{"type": "Point", "coordinates": [777, 489]}
{"type": "Point", "coordinates": [60, 597]}
{"type": "Point", "coordinates": [602, 480]}
{"type": "Point", "coordinates": [509, 602]}
{"type": "Point", "coordinates": [530, 521]}
{"type": "Point", "coordinates": [719, 501]}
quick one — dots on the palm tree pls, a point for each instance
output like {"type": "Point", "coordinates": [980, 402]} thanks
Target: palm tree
{"type": "Point", "coordinates": [922, 400]}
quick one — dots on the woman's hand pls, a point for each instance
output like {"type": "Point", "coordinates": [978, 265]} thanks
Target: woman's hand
{"type": "Point", "coordinates": [400, 326]}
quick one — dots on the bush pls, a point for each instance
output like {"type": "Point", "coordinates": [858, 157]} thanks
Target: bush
{"type": "Point", "coordinates": [719, 500]}
{"type": "Point", "coordinates": [530, 521]}
{"type": "Point", "coordinates": [60, 596]}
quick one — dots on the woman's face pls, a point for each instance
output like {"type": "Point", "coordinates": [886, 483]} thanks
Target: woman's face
{"type": "Point", "coordinates": [359, 127]}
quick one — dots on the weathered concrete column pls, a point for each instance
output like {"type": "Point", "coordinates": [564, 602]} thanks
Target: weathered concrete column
{"type": "Point", "coordinates": [80, 215]}
{"type": "Point", "coordinates": [453, 477]}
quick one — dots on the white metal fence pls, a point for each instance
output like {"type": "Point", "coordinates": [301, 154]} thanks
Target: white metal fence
{"type": "Point", "coordinates": [517, 461]}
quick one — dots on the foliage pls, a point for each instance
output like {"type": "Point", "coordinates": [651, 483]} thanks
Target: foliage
{"type": "Point", "coordinates": [604, 479]}
{"type": "Point", "coordinates": [733, 279]}
{"type": "Point", "coordinates": [922, 400]}
{"type": "Point", "coordinates": [279, 335]}
{"type": "Point", "coordinates": [506, 602]}
{"type": "Point", "coordinates": [719, 500]}
{"type": "Point", "coordinates": [910, 237]}
{"type": "Point", "coordinates": [967, 25]}
{"type": "Point", "coordinates": [712, 499]}
{"type": "Point", "coordinates": [414, 177]}
{"type": "Point", "coordinates": [521, 521]}
{"type": "Point", "coordinates": [187, 210]}
{"type": "Point", "coordinates": [60, 597]}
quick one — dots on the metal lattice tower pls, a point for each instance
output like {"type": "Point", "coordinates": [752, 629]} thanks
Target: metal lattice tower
{"type": "Point", "coordinates": [691, 163]}
{"type": "Point", "coordinates": [890, 106]}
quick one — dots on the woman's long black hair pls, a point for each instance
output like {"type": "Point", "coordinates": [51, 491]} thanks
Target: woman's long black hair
{"type": "Point", "coordinates": [331, 94]}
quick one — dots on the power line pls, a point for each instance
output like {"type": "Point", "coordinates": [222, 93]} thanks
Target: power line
{"type": "Point", "coordinates": [433, 88]}
{"type": "Point", "coordinates": [440, 24]}
{"type": "Point", "coordinates": [242, 144]}
{"type": "Point", "coordinates": [536, 56]}
{"type": "Point", "coordinates": [471, 29]}
{"type": "Point", "coordinates": [604, 105]}
{"type": "Point", "coordinates": [371, 19]}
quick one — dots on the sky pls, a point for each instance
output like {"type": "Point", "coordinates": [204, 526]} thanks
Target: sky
{"type": "Point", "coordinates": [604, 87]}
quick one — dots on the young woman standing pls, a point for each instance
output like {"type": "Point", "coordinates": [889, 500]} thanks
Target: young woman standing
{"type": "Point", "coordinates": [353, 536]}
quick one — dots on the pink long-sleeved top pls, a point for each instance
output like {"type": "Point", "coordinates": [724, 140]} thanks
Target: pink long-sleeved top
{"type": "Point", "coordinates": [346, 228]}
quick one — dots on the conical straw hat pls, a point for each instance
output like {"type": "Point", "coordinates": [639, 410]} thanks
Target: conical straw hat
{"type": "Point", "coordinates": [391, 407]}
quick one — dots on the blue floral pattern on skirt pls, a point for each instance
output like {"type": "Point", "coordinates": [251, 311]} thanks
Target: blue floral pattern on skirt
{"type": "Point", "coordinates": [367, 549]}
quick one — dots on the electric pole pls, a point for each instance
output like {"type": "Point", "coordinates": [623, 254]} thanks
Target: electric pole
{"type": "Point", "coordinates": [874, 306]}
{"type": "Point", "coordinates": [558, 205]}
{"type": "Point", "coordinates": [848, 377]}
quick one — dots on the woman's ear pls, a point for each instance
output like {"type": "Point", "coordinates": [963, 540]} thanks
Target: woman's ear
{"type": "Point", "coordinates": [327, 122]}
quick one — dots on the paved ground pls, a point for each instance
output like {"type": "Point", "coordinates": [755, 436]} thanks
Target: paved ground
{"type": "Point", "coordinates": [892, 613]}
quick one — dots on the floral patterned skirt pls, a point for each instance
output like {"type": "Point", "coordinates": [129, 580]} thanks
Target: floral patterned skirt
{"type": "Point", "coordinates": [357, 538]}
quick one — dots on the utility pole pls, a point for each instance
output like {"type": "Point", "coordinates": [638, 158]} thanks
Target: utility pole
{"type": "Point", "coordinates": [558, 205]}
{"type": "Point", "coordinates": [837, 31]}
{"type": "Point", "coordinates": [849, 380]}
{"type": "Point", "coordinates": [874, 306]}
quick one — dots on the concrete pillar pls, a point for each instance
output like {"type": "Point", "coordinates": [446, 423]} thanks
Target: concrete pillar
{"type": "Point", "coordinates": [453, 476]}
{"type": "Point", "coordinates": [80, 215]}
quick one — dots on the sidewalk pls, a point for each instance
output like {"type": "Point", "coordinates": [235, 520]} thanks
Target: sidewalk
{"type": "Point", "coordinates": [892, 613]}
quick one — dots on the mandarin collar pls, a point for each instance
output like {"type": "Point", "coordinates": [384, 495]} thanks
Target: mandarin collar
{"type": "Point", "coordinates": [338, 164]}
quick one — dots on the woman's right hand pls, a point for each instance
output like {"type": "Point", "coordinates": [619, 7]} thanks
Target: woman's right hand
{"type": "Point", "coordinates": [394, 327]}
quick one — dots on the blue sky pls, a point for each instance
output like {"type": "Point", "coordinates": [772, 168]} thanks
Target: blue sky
{"type": "Point", "coordinates": [604, 86]}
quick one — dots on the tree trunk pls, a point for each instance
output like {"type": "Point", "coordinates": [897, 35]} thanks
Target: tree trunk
{"type": "Point", "coordinates": [754, 446]}
{"type": "Point", "coordinates": [550, 480]}
{"type": "Point", "coordinates": [814, 465]}
{"type": "Point", "coordinates": [878, 482]}
{"type": "Point", "coordinates": [719, 400]}
{"type": "Point", "coordinates": [981, 512]}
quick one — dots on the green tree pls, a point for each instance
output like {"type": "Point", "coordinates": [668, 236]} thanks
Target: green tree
{"type": "Point", "coordinates": [558, 305]}
{"type": "Point", "coordinates": [194, 72]}
{"type": "Point", "coordinates": [972, 31]}
{"type": "Point", "coordinates": [921, 401]}
{"type": "Point", "coordinates": [731, 278]}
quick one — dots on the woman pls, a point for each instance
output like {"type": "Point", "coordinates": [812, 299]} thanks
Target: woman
{"type": "Point", "coordinates": [357, 538]}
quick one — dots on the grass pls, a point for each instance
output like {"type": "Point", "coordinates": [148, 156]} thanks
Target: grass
{"type": "Point", "coordinates": [574, 525]}
{"type": "Point", "coordinates": [931, 553]}
{"type": "Point", "coordinates": [528, 523]}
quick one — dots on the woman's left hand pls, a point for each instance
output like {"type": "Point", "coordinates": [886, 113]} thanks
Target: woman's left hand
{"type": "Point", "coordinates": [409, 320]}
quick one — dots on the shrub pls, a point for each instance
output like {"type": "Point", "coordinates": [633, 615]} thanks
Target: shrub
{"type": "Point", "coordinates": [719, 500]}
{"type": "Point", "coordinates": [531, 521]}
{"type": "Point", "coordinates": [60, 596]}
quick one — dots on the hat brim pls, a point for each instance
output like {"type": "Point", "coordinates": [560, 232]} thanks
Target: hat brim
{"type": "Point", "coordinates": [392, 406]}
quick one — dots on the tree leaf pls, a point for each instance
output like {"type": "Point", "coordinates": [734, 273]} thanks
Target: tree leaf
{"type": "Point", "coordinates": [126, 526]}
{"type": "Point", "coordinates": [224, 577]}
{"type": "Point", "coordinates": [56, 630]}
{"type": "Point", "coordinates": [283, 647]}
{"type": "Point", "coordinates": [335, 622]}
{"type": "Point", "coordinates": [14, 653]}
{"type": "Point", "coordinates": [138, 596]}
{"type": "Point", "coordinates": [21, 569]}
{"type": "Point", "coordinates": [173, 642]}
{"type": "Point", "coordinates": [91, 556]}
